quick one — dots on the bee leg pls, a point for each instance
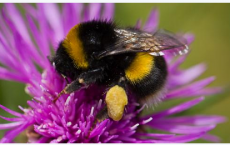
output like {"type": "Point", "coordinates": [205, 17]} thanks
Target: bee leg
{"type": "Point", "coordinates": [102, 115]}
{"type": "Point", "coordinates": [75, 85]}
{"type": "Point", "coordinates": [84, 79]}
{"type": "Point", "coordinates": [66, 79]}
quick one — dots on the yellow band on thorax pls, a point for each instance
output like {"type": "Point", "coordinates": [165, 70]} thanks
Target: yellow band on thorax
{"type": "Point", "coordinates": [140, 67]}
{"type": "Point", "coordinates": [75, 49]}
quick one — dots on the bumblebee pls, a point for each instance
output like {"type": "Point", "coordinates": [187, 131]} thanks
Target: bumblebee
{"type": "Point", "coordinates": [121, 59]}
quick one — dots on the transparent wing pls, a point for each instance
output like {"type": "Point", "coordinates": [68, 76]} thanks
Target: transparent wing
{"type": "Point", "coordinates": [156, 44]}
{"type": "Point", "coordinates": [168, 42]}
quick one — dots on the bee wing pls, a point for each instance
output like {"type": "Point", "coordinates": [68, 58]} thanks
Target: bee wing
{"type": "Point", "coordinates": [164, 41]}
{"type": "Point", "coordinates": [156, 44]}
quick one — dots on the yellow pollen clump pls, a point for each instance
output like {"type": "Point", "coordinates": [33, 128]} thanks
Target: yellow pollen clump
{"type": "Point", "coordinates": [116, 100]}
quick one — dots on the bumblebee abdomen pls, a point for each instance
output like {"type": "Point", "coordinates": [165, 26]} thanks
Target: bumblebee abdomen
{"type": "Point", "coordinates": [149, 75]}
{"type": "Point", "coordinates": [140, 67]}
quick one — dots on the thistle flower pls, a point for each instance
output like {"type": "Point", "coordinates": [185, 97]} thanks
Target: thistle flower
{"type": "Point", "coordinates": [28, 41]}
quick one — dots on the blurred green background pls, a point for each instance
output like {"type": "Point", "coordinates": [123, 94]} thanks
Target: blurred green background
{"type": "Point", "coordinates": [210, 23]}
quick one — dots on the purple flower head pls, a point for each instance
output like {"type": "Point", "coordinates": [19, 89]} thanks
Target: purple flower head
{"type": "Point", "coordinates": [29, 40]}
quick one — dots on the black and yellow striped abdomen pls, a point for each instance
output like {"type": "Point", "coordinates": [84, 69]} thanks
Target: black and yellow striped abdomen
{"type": "Point", "coordinates": [140, 67]}
{"type": "Point", "coordinates": [146, 75]}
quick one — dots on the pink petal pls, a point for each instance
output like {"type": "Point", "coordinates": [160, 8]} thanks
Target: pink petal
{"type": "Point", "coordinates": [7, 75]}
{"type": "Point", "coordinates": [18, 22]}
{"type": "Point", "coordinates": [211, 138]}
{"type": "Point", "coordinates": [187, 75]}
{"type": "Point", "coordinates": [7, 57]}
{"type": "Point", "coordinates": [182, 129]}
{"type": "Point", "coordinates": [30, 9]}
{"type": "Point", "coordinates": [176, 109]}
{"type": "Point", "coordinates": [31, 50]}
{"type": "Point", "coordinates": [53, 16]}
{"type": "Point", "coordinates": [152, 22]}
{"type": "Point", "coordinates": [188, 89]}
{"type": "Point", "coordinates": [98, 129]}
{"type": "Point", "coordinates": [156, 135]}
{"type": "Point", "coordinates": [11, 111]}
{"type": "Point", "coordinates": [193, 120]}
{"type": "Point", "coordinates": [138, 24]}
{"type": "Point", "coordinates": [69, 17]}
{"type": "Point", "coordinates": [184, 138]}
{"type": "Point", "coordinates": [10, 135]}
{"type": "Point", "coordinates": [40, 40]}
{"type": "Point", "coordinates": [173, 66]}
{"type": "Point", "coordinates": [189, 37]}
{"type": "Point", "coordinates": [94, 11]}
{"type": "Point", "coordinates": [175, 139]}
{"type": "Point", "coordinates": [10, 125]}
{"type": "Point", "coordinates": [11, 119]}
{"type": "Point", "coordinates": [108, 11]}
{"type": "Point", "coordinates": [43, 140]}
